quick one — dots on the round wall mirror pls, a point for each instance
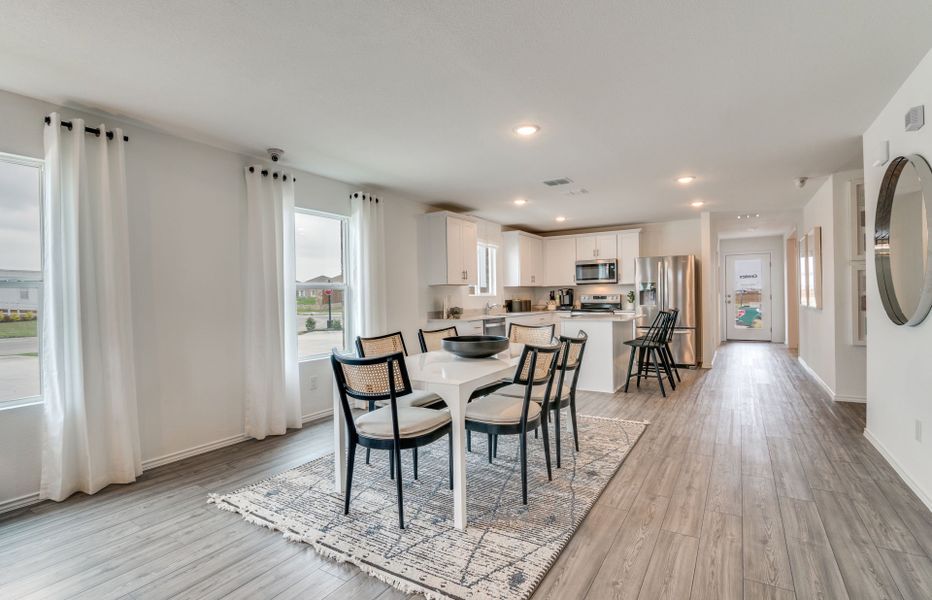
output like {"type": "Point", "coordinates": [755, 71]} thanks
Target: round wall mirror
{"type": "Point", "coordinates": [901, 240]}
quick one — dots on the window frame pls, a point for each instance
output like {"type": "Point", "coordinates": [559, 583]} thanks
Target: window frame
{"type": "Point", "coordinates": [344, 253]}
{"type": "Point", "coordinates": [492, 273]}
{"type": "Point", "coordinates": [37, 284]}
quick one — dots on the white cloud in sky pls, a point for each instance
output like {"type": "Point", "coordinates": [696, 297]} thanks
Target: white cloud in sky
{"type": "Point", "coordinates": [19, 217]}
{"type": "Point", "coordinates": [318, 246]}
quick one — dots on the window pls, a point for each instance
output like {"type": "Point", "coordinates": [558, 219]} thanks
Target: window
{"type": "Point", "coordinates": [320, 250]}
{"type": "Point", "coordinates": [20, 277]}
{"type": "Point", "coordinates": [486, 272]}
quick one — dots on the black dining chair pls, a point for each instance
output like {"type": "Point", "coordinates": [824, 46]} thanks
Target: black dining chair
{"type": "Point", "coordinates": [563, 394]}
{"type": "Point", "coordinates": [395, 426]}
{"type": "Point", "coordinates": [649, 354]}
{"type": "Point", "coordinates": [497, 415]}
{"type": "Point", "coordinates": [393, 343]}
{"type": "Point", "coordinates": [430, 339]}
{"type": "Point", "coordinates": [668, 353]}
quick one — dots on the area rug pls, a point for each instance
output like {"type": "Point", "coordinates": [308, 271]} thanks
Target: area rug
{"type": "Point", "coordinates": [507, 547]}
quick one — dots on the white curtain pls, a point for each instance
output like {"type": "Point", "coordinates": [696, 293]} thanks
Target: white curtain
{"type": "Point", "coordinates": [273, 401]}
{"type": "Point", "coordinates": [91, 429]}
{"type": "Point", "coordinates": [366, 268]}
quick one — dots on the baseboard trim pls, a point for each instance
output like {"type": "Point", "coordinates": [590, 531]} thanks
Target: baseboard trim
{"type": "Point", "coordinates": [33, 498]}
{"type": "Point", "coordinates": [20, 502]}
{"type": "Point", "coordinates": [828, 390]}
{"type": "Point", "coordinates": [909, 481]}
{"type": "Point", "coordinates": [844, 398]}
{"type": "Point", "coordinates": [193, 451]}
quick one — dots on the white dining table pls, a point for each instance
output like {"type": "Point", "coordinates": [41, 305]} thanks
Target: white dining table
{"type": "Point", "coordinates": [454, 379]}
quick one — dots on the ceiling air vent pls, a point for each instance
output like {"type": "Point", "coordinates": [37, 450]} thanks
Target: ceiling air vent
{"type": "Point", "coordinates": [560, 181]}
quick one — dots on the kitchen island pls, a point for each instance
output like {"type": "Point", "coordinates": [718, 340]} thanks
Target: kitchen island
{"type": "Point", "coordinates": [605, 362]}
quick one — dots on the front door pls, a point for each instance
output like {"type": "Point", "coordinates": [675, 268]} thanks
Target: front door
{"type": "Point", "coordinates": [747, 297]}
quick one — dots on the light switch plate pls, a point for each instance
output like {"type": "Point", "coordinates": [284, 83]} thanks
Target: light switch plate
{"type": "Point", "coordinates": [918, 430]}
{"type": "Point", "coordinates": [915, 118]}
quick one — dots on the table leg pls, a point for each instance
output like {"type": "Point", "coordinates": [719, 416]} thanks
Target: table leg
{"type": "Point", "coordinates": [339, 444]}
{"type": "Point", "coordinates": [458, 416]}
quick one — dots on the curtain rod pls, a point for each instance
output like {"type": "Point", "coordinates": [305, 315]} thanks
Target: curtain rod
{"type": "Point", "coordinates": [274, 175]}
{"type": "Point", "coordinates": [94, 130]}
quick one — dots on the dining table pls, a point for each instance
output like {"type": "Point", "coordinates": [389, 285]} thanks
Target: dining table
{"type": "Point", "coordinates": [454, 379]}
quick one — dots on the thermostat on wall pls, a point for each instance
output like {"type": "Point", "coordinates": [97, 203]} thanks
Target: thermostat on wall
{"type": "Point", "coordinates": [915, 118]}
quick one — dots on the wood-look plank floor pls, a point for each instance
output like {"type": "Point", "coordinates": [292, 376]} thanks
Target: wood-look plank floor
{"type": "Point", "coordinates": [749, 483]}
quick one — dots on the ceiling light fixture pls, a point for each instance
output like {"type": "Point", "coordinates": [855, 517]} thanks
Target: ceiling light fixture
{"type": "Point", "coordinates": [697, 203]}
{"type": "Point", "coordinates": [686, 179]}
{"type": "Point", "coordinates": [560, 219]}
{"type": "Point", "coordinates": [527, 130]}
{"type": "Point", "coordinates": [520, 202]}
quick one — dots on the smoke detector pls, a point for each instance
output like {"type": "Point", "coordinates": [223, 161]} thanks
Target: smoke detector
{"type": "Point", "coordinates": [275, 153]}
{"type": "Point", "coordinates": [800, 182]}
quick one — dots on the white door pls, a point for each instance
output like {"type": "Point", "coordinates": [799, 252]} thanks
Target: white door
{"type": "Point", "coordinates": [456, 275]}
{"type": "Point", "coordinates": [470, 242]}
{"type": "Point", "coordinates": [606, 246]}
{"type": "Point", "coordinates": [747, 297]}
{"type": "Point", "coordinates": [586, 247]}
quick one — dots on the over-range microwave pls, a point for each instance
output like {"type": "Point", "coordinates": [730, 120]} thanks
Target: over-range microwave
{"type": "Point", "coordinates": [597, 271]}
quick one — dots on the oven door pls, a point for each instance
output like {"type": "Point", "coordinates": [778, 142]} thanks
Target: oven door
{"type": "Point", "coordinates": [597, 271]}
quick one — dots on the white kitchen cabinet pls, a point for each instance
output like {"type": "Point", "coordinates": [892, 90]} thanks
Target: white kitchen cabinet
{"type": "Point", "coordinates": [559, 261]}
{"type": "Point", "coordinates": [629, 248]}
{"type": "Point", "coordinates": [451, 256]}
{"type": "Point", "coordinates": [523, 260]}
{"type": "Point", "coordinates": [597, 247]}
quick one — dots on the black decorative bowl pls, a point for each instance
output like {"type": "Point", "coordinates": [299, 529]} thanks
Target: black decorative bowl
{"type": "Point", "coordinates": [475, 346]}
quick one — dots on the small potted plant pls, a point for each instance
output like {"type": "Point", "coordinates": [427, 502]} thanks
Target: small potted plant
{"type": "Point", "coordinates": [630, 298]}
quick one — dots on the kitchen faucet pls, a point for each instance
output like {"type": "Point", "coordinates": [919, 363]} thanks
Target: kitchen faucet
{"type": "Point", "coordinates": [489, 306]}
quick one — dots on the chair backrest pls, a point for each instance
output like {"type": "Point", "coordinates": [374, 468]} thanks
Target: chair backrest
{"type": "Point", "coordinates": [370, 379]}
{"type": "Point", "coordinates": [657, 331]}
{"type": "Point", "coordinates": [570, 359]}
{"type": "Point", "coordinates": [430, 339]}
{"type": "Point", "coordinates": [671, 325]}
{"type": "Point", "coordinates": [537, 366]}
{"type": "Point", "coordinates": [536, 335]}
{"type": "Point", "coordinates": [381, 345]}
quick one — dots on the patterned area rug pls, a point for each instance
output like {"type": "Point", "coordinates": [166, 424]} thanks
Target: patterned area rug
{"type": "Point", "coordinates": [507, 547]}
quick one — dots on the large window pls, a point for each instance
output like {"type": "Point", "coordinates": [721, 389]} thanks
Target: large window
{"type": "Point", "coordinates": [320, 244]}
{"type": "Point", "coordinates": [20, 277]}
{"type": "Point", "coordinates": [486, 280]}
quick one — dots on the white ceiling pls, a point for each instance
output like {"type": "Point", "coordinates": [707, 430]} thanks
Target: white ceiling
{"type": "Point", "coordinates": [421, 96]}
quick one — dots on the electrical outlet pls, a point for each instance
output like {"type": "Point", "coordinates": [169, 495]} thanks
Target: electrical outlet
{"type": "Point", "coordinates": [312, 382]}
{"type": "Point", "coordinates": [918, 430]}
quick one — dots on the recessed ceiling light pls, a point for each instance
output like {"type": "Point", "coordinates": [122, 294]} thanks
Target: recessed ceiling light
{"type": "Point", "coordinates": [697, 203]}
{"type": "Point", "coordinates": [520, 201]}
{"type": "Point", "coordinates": [560, 219]}
{"type": "Point", "coordinates": [685, 179]}
{"type": "Point", "coordinates": [527, 130]}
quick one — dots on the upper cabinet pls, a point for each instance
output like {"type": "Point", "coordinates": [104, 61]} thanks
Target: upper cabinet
{"type": "Point", "coordinates": [559, 261]}
{"type": "Point", "coordinates": [523, 259]}
{"type": "Point", "coordinates": [602, 246]}
{"type": "Point", "coordinates": [629, 248]}
{"type": "Point", "coordinates": [451, 256]}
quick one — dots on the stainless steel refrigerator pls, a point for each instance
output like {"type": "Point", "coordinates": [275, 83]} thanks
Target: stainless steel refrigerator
{"type": "Point", "coordinates": [665, 282]}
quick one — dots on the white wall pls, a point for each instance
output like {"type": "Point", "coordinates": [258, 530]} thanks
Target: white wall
{"type": "Point", "coordinates": [825, 344]}
{"type": "Point", "coordinates": [817, 325]}
{"type": "Point", "coordinates": [671, 237]}
{"type": "Point", "coordinates": [899, 377]}
{"type": "Point", "coordinates": [772, 245]}
{"type": "Point", "coordinates": [187, 211]}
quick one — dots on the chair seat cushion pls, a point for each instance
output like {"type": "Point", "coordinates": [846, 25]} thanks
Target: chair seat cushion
{"type": "Point", "coordinates": [516, 390]}
{"type": "Point", "coordinates": [499, 410]}
{"type": "Point", "coordinates": [412, 422]}
{"type": "Point", "coordinates": [415, 398]}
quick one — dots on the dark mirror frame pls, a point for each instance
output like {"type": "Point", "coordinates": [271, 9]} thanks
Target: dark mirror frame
{"type": "Point", "coordinates": [882, 240]}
